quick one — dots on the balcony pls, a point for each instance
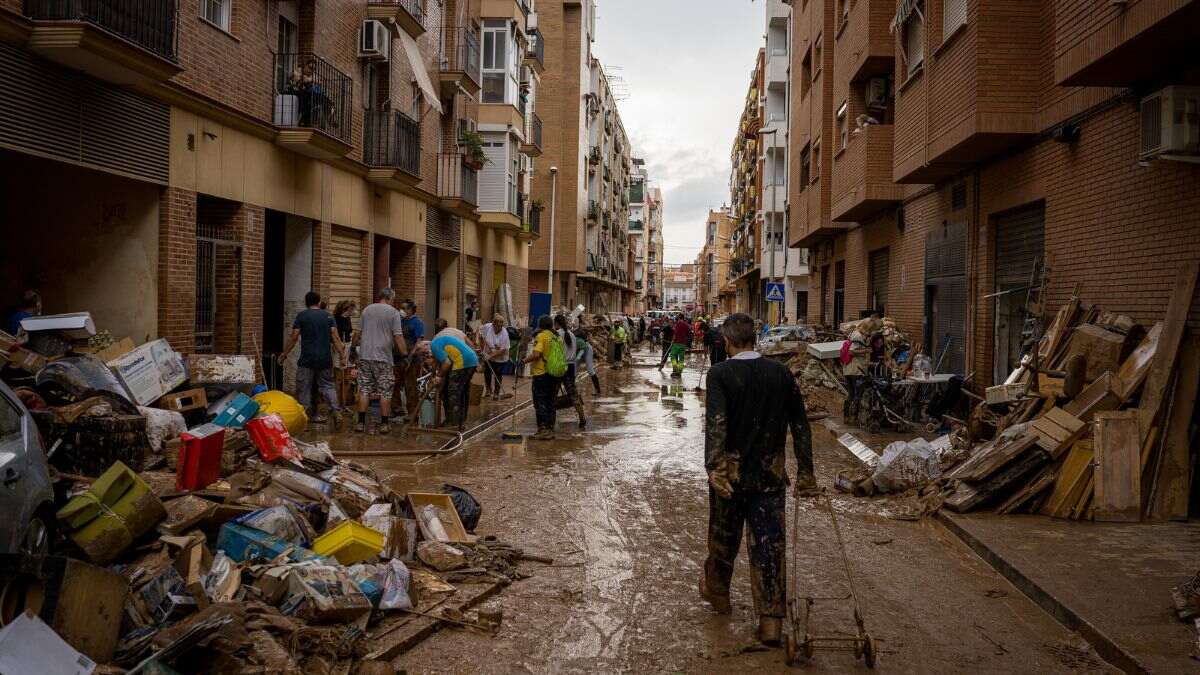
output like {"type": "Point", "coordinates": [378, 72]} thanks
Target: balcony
{"type": "Point", "coordinates": [594, 155]}
{"type": "Point", "coordinates": [593, 212]}
{"type": "Point", "coordinates": [533, 137]}
{"type": "Point", "coordinates": [406, 13]}
{"type": "Point", "coordinates": [862, 175]}
{"type": "Point", "coordinates": [459, 63]}
{"type": "Point", "coordinates": [535, 56]}
{"type": "Point", "coordinates": [516, 10]}
{"type": "Point", "coordinates": [119, 41]}
{"type": "Point", "coordinates": [866, 42]}
{"type": "Point", "coordinates": [458, 185]}
{"type": "Point", "coordinates": [312, 105]}
{"type": "Point", "coordinates": [504, 115]}
{"type": "Point", "coordinates": [777, 69]}
{"type": "Point", "coordinates": [532, 228]}
{"type": "Point", "coordinates": [392, 148]}
{"type": "Point", "coordinates": [1123, 44]}
{"type": "Point", "coordinates": [774, 198]}
{"type": "Point", "coordinates": [637, 225]}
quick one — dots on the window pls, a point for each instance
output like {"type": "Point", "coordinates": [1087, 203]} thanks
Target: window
{"type": "Point", "coordinates": [805, 167]}
{"type": "Point", "coordinates": [844, 13]}
{"type": "Point", "coordinates": [954, 16]}
{"type": "Point", "coordinates": [843, 130]}
{"type": "Point", "coordinates": [216, 12]}
{"type": "Point", "coordinates": [817, 57]}
{"type": "Point", "coordinates": [495, 61]}
{"type": "Point", "coordinates": [806, 74]}
{"type": "Point", "coordinates": [913, 39]}
{"type": "Point", "coordinates": [10, 419]}
{"type": "Point", "coordinates": [816, 160]}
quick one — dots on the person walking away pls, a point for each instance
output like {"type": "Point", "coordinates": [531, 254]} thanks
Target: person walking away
{"type": "Point", "coordinates": [855, 355]}
{"type": "Point", "coordinates": [641, 328]}
{"type": "Point", "coordinates": [543, 365]}
{"type": "Point", "coordinates": [655, 331]}
{"type": "Point", "coordinates": [570, 345]}
{"type": "Point", "coordinates": [495, 344]}
{"type": "Point", "coordinates": [681, 337]}
{"type": "Point", "coordinates": [381, 331]}
{"type": "Point", "coordinates": [751, 404]}
{"type": "Point", "coordinates": [668, 331]}
{"type": "Point", "coordinates": [584, 354]}
{"type": "Point", "coordinates": [456, 364]}
{"type": "Point", "coordinates": [715, 342]}
{"type": "Point", "coordinates": [619, 337]}
{"type": "Point", "coordinates": [316, 331]}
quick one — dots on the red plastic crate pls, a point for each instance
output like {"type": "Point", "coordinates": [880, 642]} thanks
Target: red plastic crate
{"type": "Point", "coordinates": [199, 462]}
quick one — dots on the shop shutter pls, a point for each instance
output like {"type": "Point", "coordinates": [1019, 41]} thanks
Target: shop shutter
{"type": "Point", "coordinates": [443, 229]}
{"type": "Point", "coordinates": [1020, 244]}
{"type": "Point", "coordinates": [946, 296]}
{"type": "Point", "coordinates": [879, 265]}
{"type": "Point", "coordinates": [346, 267]}
{"type": "Point", "coordinates": [472, 281]}
{"type": "Point", "coordinates": [499, 275]}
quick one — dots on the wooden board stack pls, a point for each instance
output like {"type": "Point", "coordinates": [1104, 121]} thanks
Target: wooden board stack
{"type": "Point", "coordinates": [1120, 449]}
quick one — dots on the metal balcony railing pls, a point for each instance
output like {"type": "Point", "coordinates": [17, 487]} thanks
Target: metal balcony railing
{"type": "Point", "coordinates": [593, 211]}
{"type": "Point", "coordinates": [534, 225]}
{"type": "Point", "coordinates": [149, 24]}
{"type": "Point", "coordinates": [518, 206]}
{"type": "Point", "coordinates": [413, 7]}
{"type": "Point", "coordinates": [457, 180]}
{"type": "Point", "coordinates": [537, 49]}
{"type": "Point", "coordinates": [462, 54]}
{"type": "Point", "coordinates": [392, 139]}
{"type": "Point", "coordinates": [637, 225]}
{"type": "Point", "coordinates": [535, 130]}
{"type": "Point", "coordinates": [311, 93]}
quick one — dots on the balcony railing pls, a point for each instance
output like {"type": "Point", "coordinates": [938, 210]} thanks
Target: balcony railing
{"type": "Point", "coordinates": [518, 205]}
{"type": "Point", "coordinates": [311, 93]}
{"type": "Point", "coordinates": [637, 225]}
{"type": "Point", "coordinates": [593, 211]}
{"type": "Point", "coordinates": [413, 7]}
{"type": "Point", "coordinates": [392, 139]}
{"type": "Point", "coordinates": [535, 130]}
{"type": "Point", "coordinates": [150, 24]}
{"type": "Point", "coordinates": [462, 54]}
{"type": "Point", "coordinates": [537, 49]}
{"type": "Point", "coordinates": [534, 226]}
{"type": "Point", "coordinates": [457, 180]}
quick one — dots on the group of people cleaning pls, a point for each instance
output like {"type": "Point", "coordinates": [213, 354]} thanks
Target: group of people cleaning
{"type": "Point", "coordinates": [677, 335]}
{"type": "Point", "coordinates": [389, 358]}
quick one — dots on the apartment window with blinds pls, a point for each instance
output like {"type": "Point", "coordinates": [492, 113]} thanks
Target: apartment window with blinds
{"type": "Point", "coordinates": [817, 57]}
{"type": "Point", "coordinates": [913, 38]}
{"type": "Point", "coordinates": [804, 168]}
{"type": "Point", "coordinates": [806, 74]}
{"type": "Point", "coordinates": [954, 16]}
{"type": "Point", "coordinates": [843, 130]}
{"type": "Point", "coordinates": [816, 160]}
{"type": "Point", "coordinates": [495, 61]}
{"type": "Point", "coordinates": [216, 12]}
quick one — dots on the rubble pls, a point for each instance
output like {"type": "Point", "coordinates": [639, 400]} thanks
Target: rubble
{"type": "Point", "coordinates": [211, 535]}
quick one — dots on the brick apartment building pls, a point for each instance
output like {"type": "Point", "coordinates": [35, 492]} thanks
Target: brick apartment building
{"type": "Point", "coordinates": [654, 248]}
{"type": "Point", "coordinates": [944, 150]}
{"type": "Point", "coordinates": [198, 166]}
{"type": "Point", "coordinates": [586, 142]}
{"type": "Point", "coordinates": [712, 263]}
{"type": "Point", "coordinates": [746, 195]}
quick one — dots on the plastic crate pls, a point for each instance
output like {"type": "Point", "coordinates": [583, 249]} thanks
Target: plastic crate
{"type": "Point", "coordinates": [350, 542]}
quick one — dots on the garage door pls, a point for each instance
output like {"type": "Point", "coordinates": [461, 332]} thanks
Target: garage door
{"type": "Point", "coordinates": [1020, 247]}
{"type": "Point", "coordinates": [879, 264]}
{"type": "Point", "coordinates": [946, 297]}
{"type": "Point", "coordinates": [472, 279]}
{"type": "Point", "coordinates": [345, 267]}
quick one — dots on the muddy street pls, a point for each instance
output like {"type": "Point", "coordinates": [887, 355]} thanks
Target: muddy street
{"type": "Point", "coordinates": [622, 509]}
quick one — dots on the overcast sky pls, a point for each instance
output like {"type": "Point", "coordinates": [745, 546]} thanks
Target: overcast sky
{"type": "Point", "coordinates": [686, 65]}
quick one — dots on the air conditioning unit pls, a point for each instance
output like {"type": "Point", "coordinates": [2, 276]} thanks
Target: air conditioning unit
{"type": "Point", "coordinates": [374, 41]}
{"type": "Point", "coordinates": [1170, 122]}
{"type": "Point", "coordinates": [531, 22]}
{"type": "Point", "coordinates": [877, 92]}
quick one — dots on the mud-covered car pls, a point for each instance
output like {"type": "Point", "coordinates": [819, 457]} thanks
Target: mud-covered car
{"type": "Point", "coordinates": [26, 494]}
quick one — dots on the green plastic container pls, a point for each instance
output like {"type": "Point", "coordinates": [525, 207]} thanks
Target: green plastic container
{"type": "Point", "coordinates": [116, 510]}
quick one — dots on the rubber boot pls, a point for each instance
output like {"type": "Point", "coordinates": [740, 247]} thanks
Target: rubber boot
{"type": "Point", "coordinates": [596, 383]}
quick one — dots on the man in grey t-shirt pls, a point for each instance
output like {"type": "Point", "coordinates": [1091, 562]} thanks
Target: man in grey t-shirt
{"type": "Point", "coordinates": [382, 328]}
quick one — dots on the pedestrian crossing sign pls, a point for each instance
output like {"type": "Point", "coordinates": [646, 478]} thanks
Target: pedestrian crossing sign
{"type": "Point", "coordinates": [774, 291]}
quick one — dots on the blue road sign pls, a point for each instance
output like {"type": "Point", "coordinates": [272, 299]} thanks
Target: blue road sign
{"type": "Point", "coordinates": [774, 291]}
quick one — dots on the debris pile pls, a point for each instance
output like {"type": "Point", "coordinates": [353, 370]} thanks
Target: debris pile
{"type": "Point", "coordinates": [207, 537]}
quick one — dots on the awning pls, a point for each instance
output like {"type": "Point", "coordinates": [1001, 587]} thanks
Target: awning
{"type": "Point", "coordinates": [904, 8]}
{"type": "Point", "coordinates": [418, 67]}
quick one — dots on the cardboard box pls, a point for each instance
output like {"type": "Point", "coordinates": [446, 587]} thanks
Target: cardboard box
{"type": "Point", "coordinates": [184, 401]}
{"type": "Point", "coordinates": [150, 371]}
{"type": "Point", "coordinates": [17, 356]}
{"type": "Point", "coordinates": [77, 325]}
{"type": "Point", "coordinates": [28, 645]}
{"type": "Point", "coordinates": [446, 513]}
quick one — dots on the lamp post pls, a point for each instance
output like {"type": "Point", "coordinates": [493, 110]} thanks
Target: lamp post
{"type": "Point", "coordinates": [553, 220]}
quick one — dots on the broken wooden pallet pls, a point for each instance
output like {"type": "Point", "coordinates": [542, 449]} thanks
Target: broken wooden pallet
{"type": "Point", "coordinates": [410, 634]}
{"type": "Point", "coordinates": [1057, 431]}
{"type": "Point", "coordinates": [1168, 348]}
{"type": "Point", "coordinates": [984, 464]}
{"type": "Point", "coordinates": [970, 496]}
{"type": "Point", "coordinates": [1098, 396]}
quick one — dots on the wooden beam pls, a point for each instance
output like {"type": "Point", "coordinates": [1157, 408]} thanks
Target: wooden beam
{"type": "Point", "coordinates": [1169, 499]}
{"type": "Point", "coordinates": [1168, 346]}
{"type": "Point", "coordinates": [412, 633]}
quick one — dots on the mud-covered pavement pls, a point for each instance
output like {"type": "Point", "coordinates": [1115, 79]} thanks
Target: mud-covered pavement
{"type": "Point", "coordinates": [622, 508]}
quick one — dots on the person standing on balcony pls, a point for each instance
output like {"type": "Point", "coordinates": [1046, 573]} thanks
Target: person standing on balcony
{"type": "Point", "coordinates": [382, 331]}
{"type": "Point", "coordinates": [317, 333]}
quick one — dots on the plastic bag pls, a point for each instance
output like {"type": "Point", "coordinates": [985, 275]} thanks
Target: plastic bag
{"type": "Point", "coordinates": [432, 524]}
{"type": "Point", "coordinates": [395, 587]}
{"type": "Point", "coordinates": [73, 377]}
{"type": "Point", "coordinates": [220, 583]}
{"type": "Point", "coordinates": [906, 465]}
{"type": "Point", "coordinates": [288, 408]}
{"type": "Point", "coordinates": [283, 521]}
{"type": "Point", "coordinates": [162, 426]}
{"type": "Point", "coordinates": [469, 508]}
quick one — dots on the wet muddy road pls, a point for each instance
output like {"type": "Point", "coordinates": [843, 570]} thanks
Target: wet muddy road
{"type": "Point", "coordinates": [622, 508]}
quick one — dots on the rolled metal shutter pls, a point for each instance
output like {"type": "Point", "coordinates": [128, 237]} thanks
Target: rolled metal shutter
{"type": "Point", "coordinates": [346, 267]}
{"type": "Point", "coordinates": [472, 280]}
{"type": "Point", "coordinates": [879, 265]}
{"type": "Point", "coordinates": [1020, 243]}
{"type": "Point", "coordinates": [946, 294]}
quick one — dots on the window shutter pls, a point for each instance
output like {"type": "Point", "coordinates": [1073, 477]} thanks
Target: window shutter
{"type": "Point", "coordinates": [914, 41]}
{"type": "Point", "coordinates": [954, 15]}
{"type": "Point", "coordinates": [493, 179]}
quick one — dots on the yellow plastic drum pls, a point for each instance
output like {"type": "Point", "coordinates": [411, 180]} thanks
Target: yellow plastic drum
{"type": "Point", "coordinates": [279, 403]}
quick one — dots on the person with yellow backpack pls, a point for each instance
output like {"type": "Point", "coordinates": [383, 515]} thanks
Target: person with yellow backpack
{"type": "Point", "coordinates": [548, 364]}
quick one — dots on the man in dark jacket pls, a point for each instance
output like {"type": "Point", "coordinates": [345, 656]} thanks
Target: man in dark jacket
{"type": "Point", "coordinates": [752, 402]}
{"type": "Point", "coordinates": [715, 342]}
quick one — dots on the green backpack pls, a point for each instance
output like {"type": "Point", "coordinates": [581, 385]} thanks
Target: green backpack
{"type": "Point", "coordinates": [555, 357]}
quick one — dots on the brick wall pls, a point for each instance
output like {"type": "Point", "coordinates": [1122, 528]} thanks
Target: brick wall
{"type": "Point", "coordinates": [518, 279]}
{"type": "Point", "coordinates": [408, 270]}
{"type": "Point", "coordinates": [177, 268]}
{"type": "Point", "coordinates": [322, 235]}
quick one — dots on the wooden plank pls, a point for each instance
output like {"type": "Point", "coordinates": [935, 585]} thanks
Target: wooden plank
{"type": "Point", "coordinates": [1168, 347]}
{"type": "Point", "coordinates": [1118, 472]}
{"type": "Point", "coordinates": [1076, 468]}
{"type": "Point", "coordinates": [1137, 364]}
{"type": "Point", "coordinates": [1086, 500]}
{"type": "Point", "coordinates": [1000, 455]}
{"type": "Point", "coordinates": [1169, 499]}
{"type": "Point", "coordinates": [1057, 431]}
{"type": "Point", "coordinates": [1001, 483]}
{"type": "Point", "coordinates": [1032, 489]}
{"type": "Point", "coordinates": [1098, 396]}
{"type": "Point", "coordinates": [412, 633]}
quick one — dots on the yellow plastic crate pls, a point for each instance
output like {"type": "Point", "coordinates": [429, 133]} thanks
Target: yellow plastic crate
{"type": "Point", "coordinates": [350, 542]}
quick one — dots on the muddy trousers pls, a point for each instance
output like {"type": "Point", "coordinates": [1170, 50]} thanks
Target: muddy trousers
{"type": "Point", "coordinates": [456, 395]}
{"type": "Point", "coordinates": [545, 396]}
{"type": "Point", "coordinates": [572, 392]}
{"type": "Point", "coordinates": [320, 379]}
{"type": "Point", "coordinates": [765, 514]}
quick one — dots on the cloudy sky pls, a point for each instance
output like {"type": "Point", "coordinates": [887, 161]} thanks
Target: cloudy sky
{"type": "Point", "coordinates": [686, 65]}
